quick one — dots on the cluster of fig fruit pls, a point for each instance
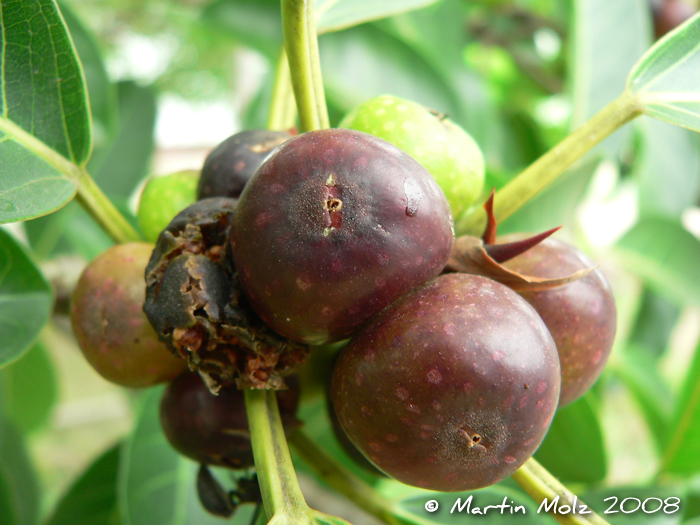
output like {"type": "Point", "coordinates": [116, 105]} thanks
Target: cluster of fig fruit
{"type": "Point", "coordinates": [460, 350]}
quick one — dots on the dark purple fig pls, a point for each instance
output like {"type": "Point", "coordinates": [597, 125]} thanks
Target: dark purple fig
{"type": "Point", "coordinates": [451, 388]}
{"type": "Point", "coordinates": [111, 328]}
{"type": "Point", "coordinates": [580, 315]}
{"type": "Point", "coordinates": [334, 227]}
{"type": "Point", "coordinates": [213, 429]}
{"type": "Point", "coordinates": [230, 165]}
{"type": "Point", "coordinates": [669, 14]}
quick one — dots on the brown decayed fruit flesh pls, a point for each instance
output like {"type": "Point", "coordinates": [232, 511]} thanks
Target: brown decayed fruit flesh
{"type": "Point", "coordinates": [580, 315]}
{"type": "Point", "coordinates": [109, 323]}
{"type": "Point", "coordinates": [332, 228]}
{"type": "Point", "coordinates": [451, 388]}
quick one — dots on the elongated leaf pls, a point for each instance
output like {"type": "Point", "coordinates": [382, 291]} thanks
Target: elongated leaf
{"type": "Point", "coordinates": [333, 15]}
{"type": "Point", "coordinates": [19, 495]}
{"type": "Point", "coordinates": [523, 508]}
{"type": "Point", "coordinates": [28, 389]}
{"type": "Point", "coordinates": [598, 73]}
{"type": "Point", "coordinates": [92, 499]}
{"type": "Point", "coordinates": [682, 453]}
{"type": "Point", "coordinates": [667, 78]}
{"type": "Point", "coordinates": [575, 427]}
{"type": "Point", "coordinates": [44, 116]}
{"type": "Point", "coordinates": [665, 255]}
{"type": "Point", "coordinates": [156, 484]}
{"type": "Point", "coordinates": [25, 299]}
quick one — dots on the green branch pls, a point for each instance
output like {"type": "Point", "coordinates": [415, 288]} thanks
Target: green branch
{"type": "Point", "coordinates": [301, 45]}
{"type": "Point", "coordinates": [355, 489]}
{"type": "Point", "coordinates": [282, 498]}
{"type": "Point", "coordinates": [283, 111]}
{"type": "Point", "coordinates": [101, 209]}
{"type": "Point", "coordinates": [541, 485]}
{"type": "Point", "coordinates": [549, 166]}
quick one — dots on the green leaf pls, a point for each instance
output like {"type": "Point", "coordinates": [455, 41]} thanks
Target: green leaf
{"type": "Point", "coordinates": [386, 66]}
{"type": "Point", "coordinates": [26, 299]}
{"type": "Point", "coordinates": [682, 451]}
{"type": "Point", "coordinates": [28, 389]}
{"type": "Point", "coordinates": [156, 485]}
{"type": "Point", "coordinates": [526, 512]}
{"type": "Point", "coordinates": [654, 322]}
{"type": "Point", "coordinates": [92, 499]}
{"type": "Point", "coordinates": [333, 15]}
{"type": "Point", "coordinates": [575, 428]}
{"type": "Point", "coordinates": [667, 169]}
{"type": "Point", "coordinates": [667, 78]}
{"type": "Point", "coordinates": [44, 117]}
{"type": "Point", "coordinates": [127, 159]}
{"type": "Point", "coordinates": [637, 370]}
{"type": "Point", "coordinates": [665, 255]}
{"type": "Point", "coordinates": [19, 492]}
{"type": "Point", "coordinates": [254, 23]}
{"type": "Point", "coordinates": [102, 92]}
{"type": "Point", "coordinates": [604, 50]}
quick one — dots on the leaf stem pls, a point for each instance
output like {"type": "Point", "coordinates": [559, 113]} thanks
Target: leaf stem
{"type": "Point", "coordinates": [347, 483]}
{"type": "Point", "coordinates": [301, 44]}
{"type": "Point", "coordinates": [101, 209]}
{"type": "Point", "coordinates": [549, 166]}
{"type": "Point", "coordinates": [282, 108]}
{"type": "Point", "coordinates": [282, 497]}
{"type": "Point", "coordinates": [541, 485]}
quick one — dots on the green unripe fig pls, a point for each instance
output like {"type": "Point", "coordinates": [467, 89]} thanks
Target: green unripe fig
{"type": "Point", "coordinates": [164, 197]}
{"type": "Point", "coordinates": [442, 147]}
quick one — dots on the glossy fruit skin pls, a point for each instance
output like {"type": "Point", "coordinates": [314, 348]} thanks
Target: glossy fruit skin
{"type": "Point", "coordinates": [163, 198]}
{"type": "Point", "coordinates": [581, 315]}
{"type": "Point", "coordinates": [214, 429]}
{"type": "Point", "coordinates": [451, 388]}
{"type": "Point", "coordinates": [232, 163]}
{"type": "Point", "coordinates": [109, 323]}
{"type": "Point", "coordinates": [334, 227]}
{"type": "Point", "coordinates": [447, 151]}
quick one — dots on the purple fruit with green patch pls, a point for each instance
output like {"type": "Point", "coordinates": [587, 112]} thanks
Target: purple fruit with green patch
{"type": "Point", "coordinates": [334, 227]}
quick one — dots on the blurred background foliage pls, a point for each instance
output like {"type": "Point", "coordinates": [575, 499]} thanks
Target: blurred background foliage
{"type": "Point", "coordinates": [168, 80]}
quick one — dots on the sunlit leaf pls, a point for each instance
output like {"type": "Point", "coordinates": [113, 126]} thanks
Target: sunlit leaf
{"type": "Point", "coordinates": [682, 450]}
{"type": "Point", "coordinates": [667, 78]}
{"type": "Point", "coordinates": [92, 499]}
{"type": "Point", "coordinates": [44, 117]}
{"type": "Point", "coordinates": [19, 491]}
{"type": "Point", "coordinates": [575, 427]}
{"type": "Point", "coordinates": [665, 255]}
{"type": "Point", "coordinates": [604, 50]}
{"type": "Point", "coordinates": [156, 484]}
{"type": "Point", "coordinates": [333, 15]}
{"type": "Point", "coordinates": [28, 389]}
{"type": "Point", "coordinates": [26, 299]}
